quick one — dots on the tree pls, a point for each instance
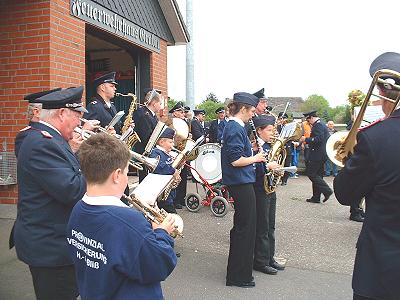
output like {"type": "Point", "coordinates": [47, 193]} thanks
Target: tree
{"type": "Point", "coordinates": [209, 106]}
{"type": "Point", "coordinates": [320, 104]}
{"type": "Point", "coordinates": [211, 97]}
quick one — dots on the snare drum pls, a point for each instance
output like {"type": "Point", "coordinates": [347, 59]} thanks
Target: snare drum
{"type": "Point", "coordinates": [208, 163]}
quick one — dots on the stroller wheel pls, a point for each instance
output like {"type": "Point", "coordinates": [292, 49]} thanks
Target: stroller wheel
{"type": "Point", "coordinates": [219, 206]}
{"type": "Point", "coordinates": [193, 202]}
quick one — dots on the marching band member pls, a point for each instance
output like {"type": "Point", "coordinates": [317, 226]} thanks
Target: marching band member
{"type": "Point", "coordinates": [117, 253]}
{"type": "Point", "coordinates": [215, 133]}
{"type": "Point", "coordinates": [145, 118]}
{"type": "Point", "coordinates": [49, 184]}
{"type": "Point", "coordinates": [239, 175]}
{"type": "Point", "coordinates": [373, 172]}
{"type": "Point", "coordinates": [197, 127]}
{"type": "Point", "coordinates": [101, 108]}
{"type": "Point", "coordinates": [178, 111]}
{"type": "Point", "coordinates": [164, 146]}
{"type": "Point", "coordinates": [264, 249]}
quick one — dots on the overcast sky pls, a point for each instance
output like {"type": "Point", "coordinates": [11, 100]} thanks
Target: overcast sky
{"type": "Point", "coordinates": [291, 48]}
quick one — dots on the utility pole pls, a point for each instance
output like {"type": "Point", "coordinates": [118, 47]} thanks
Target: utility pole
{"type": "Point", "coordinates": [190, 57]}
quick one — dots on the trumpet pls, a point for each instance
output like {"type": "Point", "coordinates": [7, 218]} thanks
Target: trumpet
{"type": "Point", "coordinates": [156, 215]}
{"type": "Point", "coordinates": [151, 163]}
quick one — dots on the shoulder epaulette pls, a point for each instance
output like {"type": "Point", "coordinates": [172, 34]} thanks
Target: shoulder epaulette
{"type": "Point", "coordinates": [46, 134]}
{"type": "Point", "coordinates": [26, 128]}
{"type": "Point", "coordinates": [372, 124]}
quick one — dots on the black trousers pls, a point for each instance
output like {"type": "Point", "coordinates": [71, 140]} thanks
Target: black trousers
{"type": "Point", "coordinates": [181, 189]}
{"type": "Point", "coordinates": [264, 249]}
{"type": "Point", "coordinates": [54, 282]}
{"type": "Point", "coordinates": [358, 297]}
{"type": "Point", "coordinates": [315, 172]}
{"type": "Point", "coordinates": [356, 208]}
{"type": "Point", "coordinates": [243, 233]}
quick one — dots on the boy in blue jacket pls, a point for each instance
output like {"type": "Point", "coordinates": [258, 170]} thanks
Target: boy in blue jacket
{"type": "Point", "coordinates": [164, 146]}
{"type": "Point", "coordinates": [117, 253]}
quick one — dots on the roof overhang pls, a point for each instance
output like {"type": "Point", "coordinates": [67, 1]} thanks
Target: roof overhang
{"type": "Point", "coordinates": [175, 21]}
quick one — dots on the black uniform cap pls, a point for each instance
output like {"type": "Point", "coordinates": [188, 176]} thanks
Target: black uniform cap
{"type": "Point", "coordinates": [168, 133]}
{"type": "Point", "coordinates": [187, 108]}
{"type": "Point", "coordinates": [199, 111]}
{"type": "Point", "coordinates": [68, 98]}
{"type": "Point", "coordinates": [260, 94]}
{"type": "Point", "coordinates": [220, 110]}
{"type": "Point", "coordinates": [177, 106]}
{"type": "Point", "coordinates": [32, 97]}
{"type": "Point", "coordinates": [263, 120]}
{"type": "Point", "coordinates": [106, 78]}
{"type": "Point", "coordinates": [388, 60]}
{"type": "Point", "coordinates": [310, 114]}
{"type": "Point", "coordinates": [283, 115]}
{"type": "Point", "coordinates": [246, 98]}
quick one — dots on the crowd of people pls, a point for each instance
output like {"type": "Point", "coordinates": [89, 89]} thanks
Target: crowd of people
{"type": "Point", "coordinates": [72, 229]}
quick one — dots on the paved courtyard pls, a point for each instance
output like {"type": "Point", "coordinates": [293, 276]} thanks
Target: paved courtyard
{"type": "Point", "coordinates": [317, 240]}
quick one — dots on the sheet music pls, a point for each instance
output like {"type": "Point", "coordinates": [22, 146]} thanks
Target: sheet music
{"type": "Point", "coordinates": [151, 187]}
{"type": "Point", "coordinates": [372, 114]}
{"type": "Point", "coordinates": [288, 130]}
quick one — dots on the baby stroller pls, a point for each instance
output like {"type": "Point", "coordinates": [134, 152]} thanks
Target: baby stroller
{"type": "Point", "coordinates": [206, 169]}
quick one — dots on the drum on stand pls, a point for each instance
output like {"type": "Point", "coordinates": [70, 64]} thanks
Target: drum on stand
{"type": "Point", "coordinates": [208, 163]}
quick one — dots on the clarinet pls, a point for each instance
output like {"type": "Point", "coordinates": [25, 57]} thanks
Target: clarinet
{"type": "Point", "coordinates": [260, 149]}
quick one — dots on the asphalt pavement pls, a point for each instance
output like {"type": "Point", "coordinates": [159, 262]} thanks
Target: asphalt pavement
{"type": "Point", "coordinates": [317, 241]}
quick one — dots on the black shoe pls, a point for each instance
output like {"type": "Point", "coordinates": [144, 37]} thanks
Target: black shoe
{"type": "Point", "coordinates": [277, 265]}
{"type": "Point", "coordinates": [266, 270]}
{"type": "Point", "coordinates": [178, 206]}
{"type": "Point", "coordinates": [283, 183]}
{"type": "Point", "coordinates": [326, 196]}
{"type": "Point", "coordinates": [312, 200]}
{"type": "Point", "coordinates": [356, 218]}
{"type": "Point", "coordinates": [241, 284]}
{"type": "Point", "coordinates": [178, 254]}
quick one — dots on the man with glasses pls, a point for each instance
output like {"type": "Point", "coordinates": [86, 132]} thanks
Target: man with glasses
{"type": "Point", "coordinates": [50, 182]}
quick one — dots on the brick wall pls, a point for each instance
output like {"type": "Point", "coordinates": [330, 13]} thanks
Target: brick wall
{"type": "Point", "coordinates": [41, 47]}
{"type": "Point", "coordinates": [158, 68]}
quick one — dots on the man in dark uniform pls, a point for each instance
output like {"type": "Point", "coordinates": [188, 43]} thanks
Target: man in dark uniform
{"type": "Point", "coordinates": [373, 172]}
{"type": "Point", "coordinates": [197, 129]}
{"type": "Point", "coordinates": [317, 157]}
{"type": "Point", "coordinates": [145, 118]}
{"type": "Point", "coordinates": [100, 107]}
{"type": "Point", "coordinates": [49, 184]}
{"type": "Point", "coordinates": [33, 113]}
{"type": "Point", "coordinates": [214, 134]}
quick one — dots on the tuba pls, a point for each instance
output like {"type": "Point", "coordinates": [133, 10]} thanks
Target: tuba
{"type": "Point", "coordinates": [340, 145]}
{"type": "Point", "coordinates": [277, 153]}
{"type": "Point", "coordinates": [129, 136]}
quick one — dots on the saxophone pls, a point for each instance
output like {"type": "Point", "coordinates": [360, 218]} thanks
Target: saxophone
{"type": "Point", "coordinates": [129, 136]}
{"type": "Point", "coordinates": [179, 164]}
{"type": "Point", "coordinates": [155, 215]}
